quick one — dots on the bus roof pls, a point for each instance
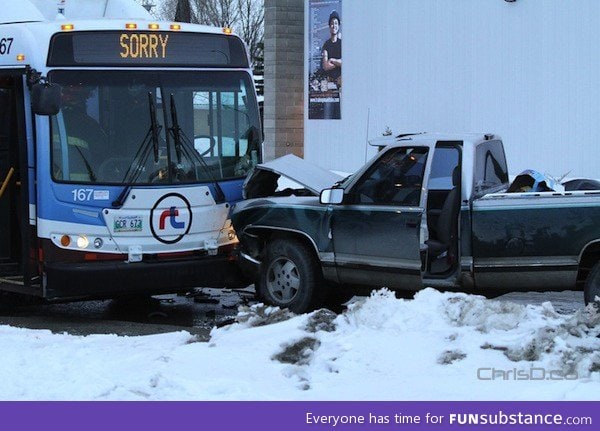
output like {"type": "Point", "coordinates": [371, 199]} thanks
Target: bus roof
{"type": "Point", "coordinates": [45, 10]}
{"type": "Point", "coordinates": [30, 25]}
{"type": "Point", "coordinates": [14, 12]}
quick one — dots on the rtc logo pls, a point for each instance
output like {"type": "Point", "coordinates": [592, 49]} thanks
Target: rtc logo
{"type": "Point", "coordinates": [171, 218]}
{"type": "Point", "coordinates": [171, 213]}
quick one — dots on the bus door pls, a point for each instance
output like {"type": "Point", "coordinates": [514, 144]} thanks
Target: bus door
{"type": "Point", "coordinates": [14, 196]}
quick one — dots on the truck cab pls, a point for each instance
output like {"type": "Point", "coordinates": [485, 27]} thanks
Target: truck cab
{"type": "Point", "coordinates": [409, 210]}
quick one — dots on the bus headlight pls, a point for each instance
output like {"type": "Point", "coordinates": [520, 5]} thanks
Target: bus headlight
{"type": "Point", "coordinates": [98, 242]}
{"type": "Point", "coordinates": [82, 241]}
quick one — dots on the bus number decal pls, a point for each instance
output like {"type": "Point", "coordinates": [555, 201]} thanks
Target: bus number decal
{"type": "Point", "coordinates": [5, 44]}
{"type": "Point", "coordinates": [82, 195]}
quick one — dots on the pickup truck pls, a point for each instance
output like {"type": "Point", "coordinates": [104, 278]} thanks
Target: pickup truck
{"type": "Point", "coordinates": [428, 210]}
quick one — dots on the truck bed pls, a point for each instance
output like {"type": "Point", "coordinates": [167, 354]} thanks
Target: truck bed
{"type": "Point", "coordinates": [533, 240]}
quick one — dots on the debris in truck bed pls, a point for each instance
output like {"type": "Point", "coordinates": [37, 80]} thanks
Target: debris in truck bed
{"type": "Point", "coordinates": [534, 181]}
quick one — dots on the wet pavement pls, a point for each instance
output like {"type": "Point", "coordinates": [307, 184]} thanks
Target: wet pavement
{"type": "Point", "coordinates": [196, 313]}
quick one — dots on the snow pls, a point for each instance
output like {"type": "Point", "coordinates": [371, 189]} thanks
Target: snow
{"type": "Point", "coordinates": [381, 348]}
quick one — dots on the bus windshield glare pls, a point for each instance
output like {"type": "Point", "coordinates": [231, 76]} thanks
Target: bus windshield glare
{"type": "Point", "coordinates": [103, 129]}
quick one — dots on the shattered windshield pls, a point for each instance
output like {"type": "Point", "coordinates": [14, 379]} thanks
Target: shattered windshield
{"type": "Point", "coordinates": [104, 125]}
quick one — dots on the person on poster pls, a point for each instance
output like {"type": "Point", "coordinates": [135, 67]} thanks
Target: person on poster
{"type": "Point", "coordinates": [332, 51]}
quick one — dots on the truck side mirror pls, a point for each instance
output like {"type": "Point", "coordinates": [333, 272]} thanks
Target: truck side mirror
{"type": "Point", "coordinates": [46, 98]}
{"type": "Point", "coordinates": [332, 196]}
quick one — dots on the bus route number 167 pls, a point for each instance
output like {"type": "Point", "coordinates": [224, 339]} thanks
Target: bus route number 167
{"type": "Point", "coordinates": [82, 195]}
{"type": "Point", "coordinates": [5, 44]}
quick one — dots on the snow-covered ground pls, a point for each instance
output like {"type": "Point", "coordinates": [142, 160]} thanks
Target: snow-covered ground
{"type": "Point", "coordinates": [439, 346]}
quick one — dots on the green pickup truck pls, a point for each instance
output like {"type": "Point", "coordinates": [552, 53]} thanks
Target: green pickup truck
{"type": "Point", "coordinates": [427, 211]}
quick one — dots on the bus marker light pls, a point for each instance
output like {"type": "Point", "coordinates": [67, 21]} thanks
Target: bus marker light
{"type": "Point", "coordinates": [175, 27]}
{"type": "Point", "coordinates": [65, 240]}
{"type": "Point", "coordinates": [20, 57]}
{"type": "Point", "coordinates": [67, 27]}
{"type": "Point", "coordinates": [227, 30]}
{"type": "Point", "coordinates": [131, 26]}
{"type": "Point", "coordinates": [82, 241]}
{"type": "Point", "coordinates": [153, 26]}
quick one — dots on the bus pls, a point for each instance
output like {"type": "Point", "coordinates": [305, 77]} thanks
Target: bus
{"type": "Point", "coordinates": [124, 143]}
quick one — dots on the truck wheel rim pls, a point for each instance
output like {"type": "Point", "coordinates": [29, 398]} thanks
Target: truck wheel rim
{"type": "Point", "coordinates": [283, 280]}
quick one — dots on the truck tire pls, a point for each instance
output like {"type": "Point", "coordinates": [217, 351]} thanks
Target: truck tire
{"type": "Point", "coordinates": [291, 277]}
{"type": "Point", "coordinates": [592, 285]}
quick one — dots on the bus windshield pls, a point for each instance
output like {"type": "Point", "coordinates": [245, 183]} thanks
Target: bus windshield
{"type": "Point", "coordinates": [104, 126]}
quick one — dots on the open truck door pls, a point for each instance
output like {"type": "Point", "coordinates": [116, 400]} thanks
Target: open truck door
{"type": "Point", "coordinates": [376, 230]}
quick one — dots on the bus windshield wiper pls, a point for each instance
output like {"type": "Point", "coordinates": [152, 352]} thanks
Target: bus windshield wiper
{"type": "Point", "coordinates": [88, 167]}
{"type": "Point", "coordinates": [141, 156]}
{"type": "Point", "coordinates": [154, 127]}
{"type": "Point", "coordinates": [183, 146]}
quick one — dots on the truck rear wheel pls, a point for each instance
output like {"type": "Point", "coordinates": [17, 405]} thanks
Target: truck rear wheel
{"type": "Point", "coordinates": [592, 285]}
{"type": "Point", "coordinates": [291, 277]}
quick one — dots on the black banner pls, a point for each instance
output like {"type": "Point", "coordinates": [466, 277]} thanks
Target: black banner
{"type": "Point", "coordinates": [325, 60]}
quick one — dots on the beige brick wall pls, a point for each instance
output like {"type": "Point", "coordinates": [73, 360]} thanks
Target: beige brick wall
{"type": "Point", "coordinates": [284, 78]}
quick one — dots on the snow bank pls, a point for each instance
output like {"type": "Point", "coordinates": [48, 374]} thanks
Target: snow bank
{"type": "Point", "coordinates": [439, 346]}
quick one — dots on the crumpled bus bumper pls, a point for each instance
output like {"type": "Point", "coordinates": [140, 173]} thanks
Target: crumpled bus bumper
{"type": "Point", "coordinates": [108, 279]}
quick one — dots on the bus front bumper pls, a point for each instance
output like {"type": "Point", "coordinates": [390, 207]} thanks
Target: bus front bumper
{"type": "Point", "coordinates": [94, 280]}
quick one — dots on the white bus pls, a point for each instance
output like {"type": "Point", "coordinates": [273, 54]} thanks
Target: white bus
{"type": "Point", "coordinates": [124, 142]}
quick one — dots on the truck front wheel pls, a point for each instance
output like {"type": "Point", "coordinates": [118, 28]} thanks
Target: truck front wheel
{"type": "Point", "coordinates": [291, 277]}
{"type": "Point", "coordinates": [592, 285]}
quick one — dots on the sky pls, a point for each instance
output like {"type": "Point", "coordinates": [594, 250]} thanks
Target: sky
{"type": "Point", "coordinates": [439, 346]}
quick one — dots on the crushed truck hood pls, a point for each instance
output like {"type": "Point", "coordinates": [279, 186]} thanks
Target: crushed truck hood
{"type": "Point", "coordinates": [262, 181]}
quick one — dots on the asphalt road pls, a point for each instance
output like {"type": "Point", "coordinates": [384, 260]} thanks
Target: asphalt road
{"type": "Point", "coordinates": [196, 313]}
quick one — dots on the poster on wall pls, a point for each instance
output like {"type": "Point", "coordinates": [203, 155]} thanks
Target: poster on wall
{"type": "Point", "coordinates": [324, 59]}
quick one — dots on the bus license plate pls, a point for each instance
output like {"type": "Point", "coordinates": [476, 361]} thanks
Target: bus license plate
{"type": "Point", "coordinates": [128, 224]}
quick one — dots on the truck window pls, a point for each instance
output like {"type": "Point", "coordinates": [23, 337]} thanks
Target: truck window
{"type": "Point", "coordinates": [490, 166]}
{"type": "Point", "coordinates": [444, 161]}
{"type": "Point", "coordinates": [396, 178]}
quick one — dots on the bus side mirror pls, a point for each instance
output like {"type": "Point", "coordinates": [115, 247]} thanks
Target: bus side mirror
{"type": "Point", "coordinates": [45, 98]}
{"type": "Point", "coordinates": [332, 196]}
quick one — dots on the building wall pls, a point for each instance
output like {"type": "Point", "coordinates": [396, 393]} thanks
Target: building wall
{"type": "Point", "coordinates": [528, 71]}
{"type": "Point", "coordinates": [284, 79]}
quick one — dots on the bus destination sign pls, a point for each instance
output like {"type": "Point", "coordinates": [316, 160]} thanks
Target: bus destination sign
{"type": "Point", "coordinates": [146, 48]}
{"type": "Point", "coordinates": [142, 45]}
